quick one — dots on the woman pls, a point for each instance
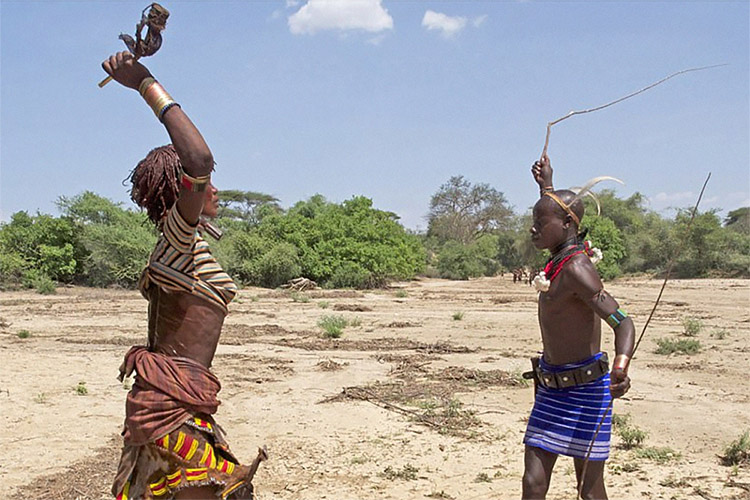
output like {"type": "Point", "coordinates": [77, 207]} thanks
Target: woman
{"type": "Point", "coordinates": [172, 446]}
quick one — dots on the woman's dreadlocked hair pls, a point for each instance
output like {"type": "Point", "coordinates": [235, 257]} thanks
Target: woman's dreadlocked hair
{"type": "Point", "coordinates": [155, 182]}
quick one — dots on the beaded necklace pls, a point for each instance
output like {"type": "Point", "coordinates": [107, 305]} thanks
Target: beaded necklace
{"type": "Point", "coordinates": [555, 264]}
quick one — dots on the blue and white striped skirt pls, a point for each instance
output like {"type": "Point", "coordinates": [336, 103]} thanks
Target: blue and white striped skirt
{"type": "Point", "coordinates": [563, 421]}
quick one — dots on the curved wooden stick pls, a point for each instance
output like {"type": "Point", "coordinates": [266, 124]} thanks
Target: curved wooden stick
{"type": "Point", "coordinates": [573, 113]}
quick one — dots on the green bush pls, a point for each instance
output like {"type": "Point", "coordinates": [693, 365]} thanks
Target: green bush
{"type": "Point", "coordinates": [49, 245]}
{"type": "Point", "coordinates": [682, 346]}
{"type": "Point", "coordinates": [691, 327]}
{"type": "Point", "coordinates": [118, 241]}
{"type": "Point", "coordinates": [351, 275]}
{"type": "Point", "coordinates": [298, 297]}
{"type": "Point", "coordinates": [253, 259]}
{"type": "Point", "coordinates": [620, 420]}
{"type": "Point", "coordinates": [337, 245]}
{"type": "Point", "coordinates": [459, 262]}
{"type": "Point", "coordinates": [738, 452]}
{"type": "Point", "coordinates": [658, 454]}
{"type": "Point", "coordinates": [333, 325]}
{"type": "Point", "coordinates": [632, 437]}
{"type": "Point", "coordinates": [277, 266]}
{"type": "Point", "coordinates": [12, 267]}
{"type": "Point", "coordinates": [607, 237]}
{"type": "Point", "coordinates": [43, 284]}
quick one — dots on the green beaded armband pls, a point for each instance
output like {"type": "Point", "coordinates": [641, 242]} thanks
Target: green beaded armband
{"type": "Point", "coordinates": [616, 318]}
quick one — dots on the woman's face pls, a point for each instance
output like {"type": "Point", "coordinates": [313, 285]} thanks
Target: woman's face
{"type": "Point", "coordinates": [211, 202]}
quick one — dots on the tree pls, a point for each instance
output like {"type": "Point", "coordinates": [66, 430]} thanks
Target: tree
{"type": "Point", "coordinates": [248, 206]}
{"type": "Point", "coordinates": [40, 245]}
{"type": "Point", "coordinates": [607, 237]}
{"type": "Point", "coordinates": [460, 211]}
{"type": "Point", "coordinates": [118, 241]}
{"type": "Point", "coordinates": [350, 244]}
{"type": "Point", "coordinates": [738, 220]}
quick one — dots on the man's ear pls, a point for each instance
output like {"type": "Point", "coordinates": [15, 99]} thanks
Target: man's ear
{"type": "Point", "coordinates": [566, 221]}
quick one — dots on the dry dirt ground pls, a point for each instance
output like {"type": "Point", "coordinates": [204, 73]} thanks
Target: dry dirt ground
{"type": "Point", "coordinates": [420, 398]}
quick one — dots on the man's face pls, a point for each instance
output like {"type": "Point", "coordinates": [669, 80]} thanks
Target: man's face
{"type": "Point", "coordinates": [549, 229]}
{"type": "Point", "coordinates": [211, 202]}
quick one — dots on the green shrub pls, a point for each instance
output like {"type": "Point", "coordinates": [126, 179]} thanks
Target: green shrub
{"type": "Point", "coordinates": [620, 420]}
{"type": "Point", "coordinates": [49, 245]}
{"type": "Point", "coordinates": [658, 454]}
{"type": "Point", "coordinates": [720, 334]}
{"type": "Point", "coordinates": [458, 316]}
{"type": "Point", "coordinates": [401, 294]}
{"type": "Point", "coordinates": [632, 437]}
{"type": "Point", "coordinates": [81, 389]}
{"type": "Point", "coordinates": [682, 346]}
{"type": "Point", "coordinates": [351, 275]}
{"type": "Point", "coordinates": [44, 285]}
{"type": "Point", "coordinates": [459, 262]}
{"type": "Point", "coordinates": [333, 325]}
{"type": "Point", "coordinates": [298, 297]}
{"type": "Point", "coordinates": [691, 327]}
{"type": "Point", "coordinates": [483, 477]}
{"type": "Point", "coordinates": [738, 452]}
{"type": "Point", "coordinates": [408, 473]}
{"type": "Point", "coordinates": [605, 235]}
{"type": "Point", "coordinates": [277, 266]}
{"type": "Point", "coordinates": [350, 245]}
{"type": "Point", "coordinates": [12, 267]}
{"type": "Point", "coordinates": [118, 241]}
{"type": "Point", "coordinates": [24, 334]}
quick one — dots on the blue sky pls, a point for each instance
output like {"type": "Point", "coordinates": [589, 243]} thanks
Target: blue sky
{"type": "Point", "coordinates": [386, 99]}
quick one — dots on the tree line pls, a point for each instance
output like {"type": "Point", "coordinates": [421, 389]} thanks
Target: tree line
{"type": "Point", "coordinates": [472, 231]}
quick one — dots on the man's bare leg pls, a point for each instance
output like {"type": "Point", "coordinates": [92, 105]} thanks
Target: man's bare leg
{"type": "Point", "coordinates": [593, 484]}
{"type": "Point", "coordinates": [538, 464]}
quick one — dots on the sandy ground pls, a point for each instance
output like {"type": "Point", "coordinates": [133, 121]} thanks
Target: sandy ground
{"type": "Point", "coordinates": [433, 407]}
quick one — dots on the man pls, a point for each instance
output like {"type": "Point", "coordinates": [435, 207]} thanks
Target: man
{"type": "Point", "coordinates": [573, 384]}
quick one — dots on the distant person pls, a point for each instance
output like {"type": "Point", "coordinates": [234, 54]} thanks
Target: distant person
{"type": "Point", "coordinates": [172, 446]}
{"type": "Point", "coordinates": [572, 379]}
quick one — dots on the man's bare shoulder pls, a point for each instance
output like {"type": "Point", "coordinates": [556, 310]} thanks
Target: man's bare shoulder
{"type": "Point", "coordinates": [581, 275]}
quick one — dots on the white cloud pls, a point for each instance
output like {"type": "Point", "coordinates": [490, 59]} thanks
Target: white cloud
{"type": "Point", "coordinates": [671, 201]}
{"type": "Point", "coordinates": [447, 25]}
{"type": "Point", "coordinates": [665, 199]}
{"type": "Point", "coordinates": [291, 3]}
{"type": "Point", "coordinates": [321, 15]}
{"type": "Point", "coordinates": [377, 39]}
{"type": "Point", "coordinates": [478, 21]}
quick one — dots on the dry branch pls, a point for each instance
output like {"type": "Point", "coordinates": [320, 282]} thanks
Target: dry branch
{"type": "Point", "coordinates": [633, 94]}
